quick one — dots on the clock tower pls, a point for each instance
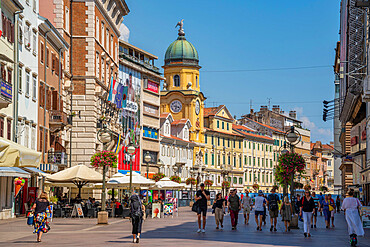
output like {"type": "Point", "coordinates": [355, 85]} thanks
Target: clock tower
{"type": "Point", "coordinates": [181, 95]}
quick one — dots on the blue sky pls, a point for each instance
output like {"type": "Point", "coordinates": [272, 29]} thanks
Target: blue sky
{"type": "Point", "coordinates": [248, 35]}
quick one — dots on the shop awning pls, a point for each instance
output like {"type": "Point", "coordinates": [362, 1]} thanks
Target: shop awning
{"type": "Point", "coordinates": [36, 171]}
{"type": "Point", "coordinates": [14, 155]}
{"type": "Point", "coordinates": [13, 172]}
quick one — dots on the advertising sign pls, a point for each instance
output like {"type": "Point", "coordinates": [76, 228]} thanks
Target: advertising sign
{"type": "Point", "coordinates": [184, 195]}
{"type": "Point", "coordinates": [6, 89]}
{"type": "Point", "coordinates": [365, 212]}
{"type": "Point", "coordinates": [168, 209]}
{"type": "Point", "coordinates": [156, 210]}
{"type": "Point", "coordinates": [150, 109]}
{"type": "Point", "coordinates": [152, 86]}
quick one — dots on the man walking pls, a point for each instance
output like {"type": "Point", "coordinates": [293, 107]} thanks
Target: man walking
{"type": "Point", "coordinates": [201, 198]}
{"type": "Point", "coordinates": [314, 214]}
{"type": "Point", "coordinates": [246, 203]}
{"type": "Point", "coordinates": [273, 205]}
{"type": "Point", "coordinates": [234, 206]}
{"type": "Point", "coordinates": [259, 204]}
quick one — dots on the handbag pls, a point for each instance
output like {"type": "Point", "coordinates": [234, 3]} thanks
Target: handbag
{"type": "Point", "coordinates": [331, 208]}
{"type": "Point", "coordinates": [30, 219]}
{"type": "Point", "coordinates": [195, 207]}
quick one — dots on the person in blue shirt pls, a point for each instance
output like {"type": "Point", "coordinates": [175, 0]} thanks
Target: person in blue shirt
{"type": "Point", "coordinates": [321, 201]}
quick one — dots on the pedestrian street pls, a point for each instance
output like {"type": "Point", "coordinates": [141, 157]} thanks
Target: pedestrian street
{"type": "Point", "coordinates": [176, 231]}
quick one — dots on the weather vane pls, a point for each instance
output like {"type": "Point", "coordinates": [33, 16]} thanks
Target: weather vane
{"type": "Point", "coordinates": [180, 24]}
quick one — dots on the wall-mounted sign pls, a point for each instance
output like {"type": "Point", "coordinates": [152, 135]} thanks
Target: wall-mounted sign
{"type": "Point", "coordinates": [150, 109]}
{"type": "Point", "coordinates": [131, 106]}
{"type": "Point", "coordinates": [152, 86]}
{"type": "Point", "coordinates": [354, 140]}
{"type": "Point", "coordinates": [6, 89]}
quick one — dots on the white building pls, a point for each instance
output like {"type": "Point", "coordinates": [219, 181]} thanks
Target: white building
{"type": "Point", "coordinates": [27, 73]}
{"type": "Point", "coordinates": [176, 151]}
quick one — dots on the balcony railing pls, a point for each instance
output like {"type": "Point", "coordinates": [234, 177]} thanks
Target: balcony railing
{"type": "Point", "coordinates": [58, 158]}
{"type": "Point", "coordinates": [142, 62]}
{"type": "Point", "coordinates": [58, 117]}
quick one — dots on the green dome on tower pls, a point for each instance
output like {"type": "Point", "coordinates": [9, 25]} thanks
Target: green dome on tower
{"type": "Point", "coordinates": [181, 51]}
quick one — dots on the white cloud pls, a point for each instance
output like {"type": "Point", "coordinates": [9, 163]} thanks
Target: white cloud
{"type": "Point", "coordinates": [125, 32]}
{"type": "Point", "coordinates": [317, 133]}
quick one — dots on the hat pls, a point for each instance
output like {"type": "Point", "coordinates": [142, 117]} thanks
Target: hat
{"type": "Point", "coordinates": [201, 185]}
{"type": "Point", "coordinates": [260, 192]}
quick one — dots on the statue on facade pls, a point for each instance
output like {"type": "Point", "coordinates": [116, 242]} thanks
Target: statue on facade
{"type": "Point", "coordinates": [180, 24]}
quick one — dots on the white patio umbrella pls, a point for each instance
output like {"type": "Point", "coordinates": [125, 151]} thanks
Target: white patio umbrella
{"type": "Point", "coordinates": [137, 181]}
{"type": "Point", "coordinates": [79, 175]}
{"type": "Point", "coordinates": [166, 184]}
{"type": "Point", "coordinates": [118, 175]}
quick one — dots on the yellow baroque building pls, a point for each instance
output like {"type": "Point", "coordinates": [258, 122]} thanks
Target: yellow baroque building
{"type": "Point", "coordinates": [181, 95]}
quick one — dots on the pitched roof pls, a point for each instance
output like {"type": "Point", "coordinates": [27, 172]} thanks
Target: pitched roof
{"type": "Point", "coordinates": [164, 115]}
{"type": "Point", "coordinates": [267, 126]}
{"type": "Point", "coordinates": [327, 146]}
{"type": "Point", "coordinates": [211, 111]}
{"type": "Point", "coordinates": [241, 130]}
{"type": "Point", "coordinates": [181, 121]}
{"type": "Point", "coordinates": [176, 138]}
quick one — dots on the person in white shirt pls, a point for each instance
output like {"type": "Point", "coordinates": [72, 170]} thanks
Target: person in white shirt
{"type": "Point", "coordinates": [246, 203]}
{"type": "Point", "coordinates": [259, 205]}
{"type": "Point", "coordinates": [350, 206]}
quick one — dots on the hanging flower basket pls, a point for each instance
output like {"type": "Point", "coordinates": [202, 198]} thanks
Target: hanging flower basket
{"type": "Point", "coordinates": [176, 179]}
{"type": "Point", "coordinates": [255, 186]}
{"type": "Point", "coordinates": [104, 158]}
{"type": "Point", "coordinates": [225, 184]}
{"type": "Point", "coordinates": [158, 176]}
{"type": "Point", "coordinates": [324, 189]}
{"type": "Point", "coordinates": [307, 187]}
{"type": "Point", "coordinates": [275, 187]}
{"type": "Point", "coordinates": [208, 182]}
{"type": "Point", "coordinates": [192, 181]}
{"type": "Point", "coordinates": [289, 163]}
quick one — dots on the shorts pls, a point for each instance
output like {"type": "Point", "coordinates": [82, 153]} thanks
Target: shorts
{"type": "Point", "coordinates": [274, 213]}
{"type": "Point", "coordinates": [246, 210]}
{"type": "Point", "coordinates": [332, 213]}
{"type": "Point", "coordinates": [258, 213]}
{"type": "Point", "coordinates": [315, 212]}
{"type": "Point", "coordinates": [202, 210]}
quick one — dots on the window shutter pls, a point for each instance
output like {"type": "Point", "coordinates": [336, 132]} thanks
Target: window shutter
{"type": "Point", "coordinates": [49, 100]}
{"type": "Point", "coordinates": [4, 24]}
{"type": "Point", "coordinates": [55, 100]}
{"type": "Point", "coordinates": [42, 53]}
{"type": "Point", "coordinates": [41, 95]}
{"type": "Point", "coordinates": [12, 33]}
{"type": "Point", "coordinates": [61, 104]}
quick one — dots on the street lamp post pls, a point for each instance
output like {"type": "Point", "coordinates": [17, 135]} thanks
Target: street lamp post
{"type": "Point", "coordinates": [147, 159]}
{"type": "Point", "coordinates": [104, 136]}
{"type": "Point", "coordinates": [131, 150]}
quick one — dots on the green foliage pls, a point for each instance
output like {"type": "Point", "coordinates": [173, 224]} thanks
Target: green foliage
{"type": "Point", "coordinates": [289, 163]}
{"type": "Point", "coordinates": [104, 158]}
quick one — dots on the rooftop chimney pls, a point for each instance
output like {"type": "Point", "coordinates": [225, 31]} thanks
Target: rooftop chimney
{"type": "Point", "coordinates": [263, 108]}
{"type": "Point", "coordinates": [276, 108]}
{"type": "Point", "coordinates": [293, 114]}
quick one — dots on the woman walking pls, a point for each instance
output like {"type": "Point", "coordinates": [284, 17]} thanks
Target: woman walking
{"type": "Point", "coordinates": [326, 211]}
{"type": "Point", "coordinates": [350, 206]}
{"type": "Point", "coordinates": [137, 210]}
{"type": "Point", "coordinates": [40, 217]}
{"type": "Point", "coordinates": [307, 207]}
{"type": "Point", "coordinates": [331, 209]}
{"type": "Point", "coordinates": [219, 206]}
{"type": "Point", "coordinates": [286, 213]}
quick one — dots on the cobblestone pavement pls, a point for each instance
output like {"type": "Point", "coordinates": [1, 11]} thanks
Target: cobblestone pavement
{"type": "Point", "coordinates": [174, 231]}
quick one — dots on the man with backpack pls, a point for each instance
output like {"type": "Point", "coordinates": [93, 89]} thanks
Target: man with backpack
{"type": "Point", "coordinates": [273, 201]}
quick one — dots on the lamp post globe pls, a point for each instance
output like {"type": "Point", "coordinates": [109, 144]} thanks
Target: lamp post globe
{"type": "Point", "coordinates": [147, 158]}
{"type": "Point", "coordinates": [131, 149]}
{"type": "Point", "coordinates": [292, 137]}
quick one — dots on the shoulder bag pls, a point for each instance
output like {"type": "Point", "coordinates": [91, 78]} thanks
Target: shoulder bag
{"type": "Point", "coordinates": [195, 207]}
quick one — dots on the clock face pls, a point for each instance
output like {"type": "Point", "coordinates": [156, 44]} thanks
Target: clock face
{"type": "Point", "coordinates": [176, 106]}
{"type": "Point", "coordinates": [197, 107]}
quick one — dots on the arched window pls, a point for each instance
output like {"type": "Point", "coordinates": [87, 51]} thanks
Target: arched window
{"type": "Point", "coordinates": [176, 81]}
